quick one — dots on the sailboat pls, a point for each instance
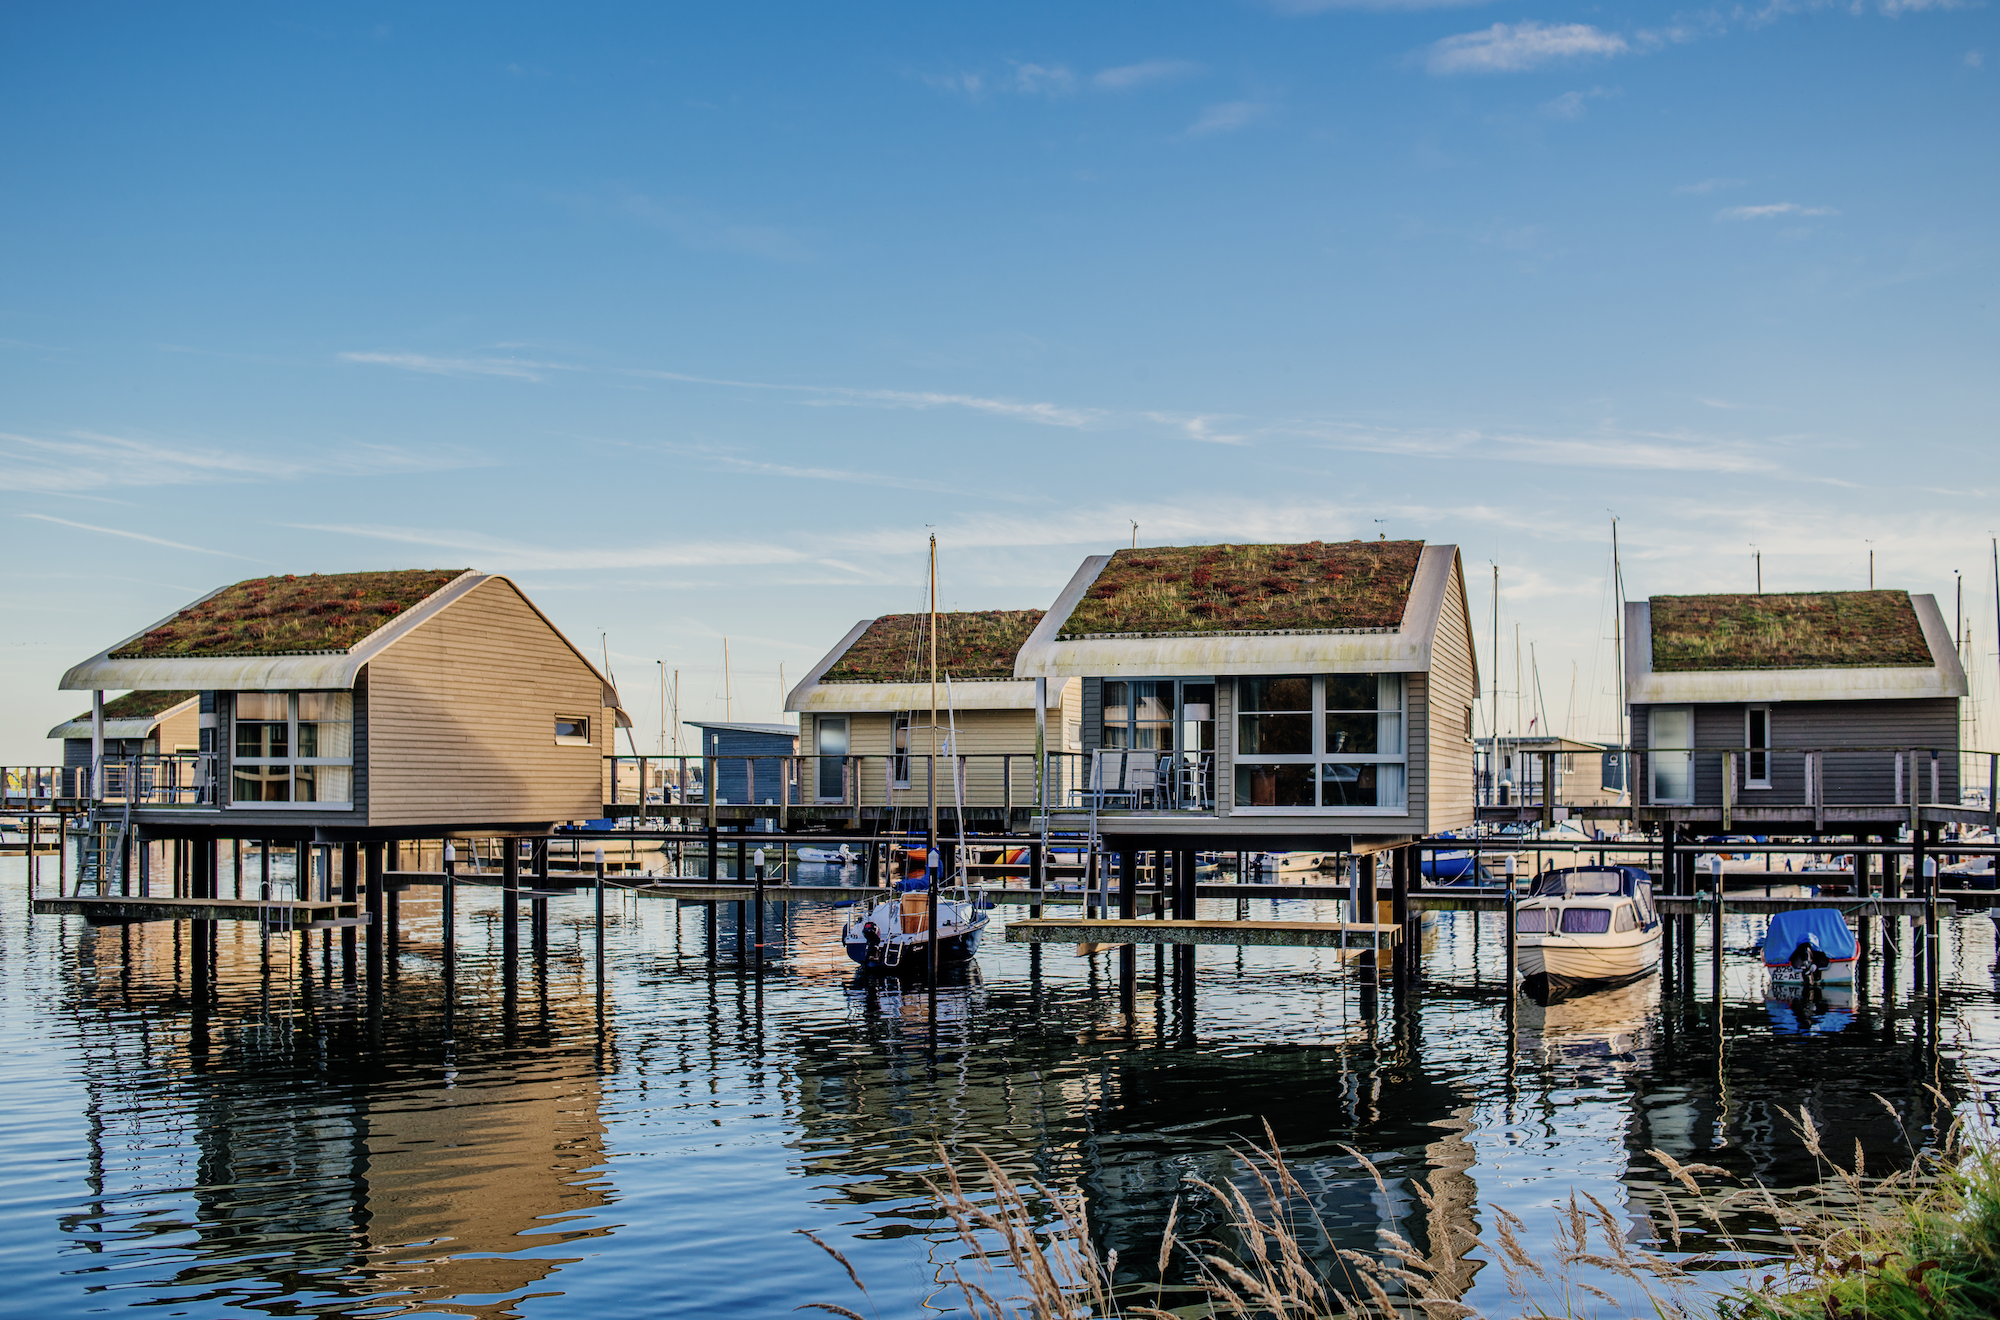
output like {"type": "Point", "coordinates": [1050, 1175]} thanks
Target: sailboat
{"type": "Point", "coordinates": [918, 929]}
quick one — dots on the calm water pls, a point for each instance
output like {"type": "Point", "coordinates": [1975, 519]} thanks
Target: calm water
{"type": "Point", "coordinates": [535, 1156]}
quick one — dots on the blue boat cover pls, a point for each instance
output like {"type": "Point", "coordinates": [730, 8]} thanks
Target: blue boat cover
{"type": "Point", "coordinates": [915, 884]}
{"type": "Point", "coordinates": [1822, 928]}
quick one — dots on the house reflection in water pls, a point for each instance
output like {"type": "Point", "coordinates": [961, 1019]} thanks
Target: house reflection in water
{"type": "Point", "coordinates": [453, 1183]}
{"type": "Point", "coordinates": [1130, 1119]}
{"type": "Point", "coordinates": [316, 1182]}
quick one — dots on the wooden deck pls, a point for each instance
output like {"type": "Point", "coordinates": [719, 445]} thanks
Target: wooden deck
{"type": "Point", "coordinates": [702, 892]}
{"type": "Point", "coordinates": [1278, 934]}
{"type": "Point", "coordinates": [117, 910]}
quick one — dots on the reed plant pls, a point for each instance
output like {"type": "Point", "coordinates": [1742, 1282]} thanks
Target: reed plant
{"type": "Point", "coordinates": [1919, 1242]}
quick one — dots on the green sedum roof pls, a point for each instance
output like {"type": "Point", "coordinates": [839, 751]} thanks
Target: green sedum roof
{"type": "Point", "coordinates": [1314, 587]}
{"type": "Point", "coordinates": [139, 705]}
{"type": "Point", "coordinates": [1788, 630]}
{"type": "Point", "coordinates": [289, 615]}
{"type": "Point", "coordinates": [971, 644]}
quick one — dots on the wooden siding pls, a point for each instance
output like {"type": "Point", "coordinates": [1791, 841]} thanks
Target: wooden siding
{"type": "Point", "coordinates": [1093, 714]}
{"type": "Point", "coordinates": [1856, 779]}
{"type": "Point", "coordinates": [1449, 793]}
{"type": "Point", "coordinates": [181, 732]}
{"type": "Point", "coordinates": [982, 734]}
{"type": "Point", "coordinates": [1417, 739]}
{"type": "Point", "coordinates": [461, 720]}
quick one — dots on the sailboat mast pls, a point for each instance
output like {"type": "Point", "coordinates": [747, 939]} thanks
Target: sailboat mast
{"type": "Point", "coordinates": [1493, 721]}
{"type": "Point", "coordinates": [728, 703]}
{"type": "Point", "coordinates": [1618, 647]}
{"type": "Point", "coordinates": [933, 643]}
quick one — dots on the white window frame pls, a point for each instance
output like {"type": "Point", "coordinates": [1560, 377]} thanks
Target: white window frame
{"type": "Point", "coordinates": [1750, 778]}
{"type": "Point", "coordinates": [584, 741]}
{"type": "Point", "coordinates": [1316, 759]}
{"type": "Point", "coordinates": [294, 761]}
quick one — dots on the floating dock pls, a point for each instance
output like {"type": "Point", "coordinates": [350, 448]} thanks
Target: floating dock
{"type": "Point", "coordinates": [123, 910]}
{"type": "Point", "coordinates": [1278, 934]}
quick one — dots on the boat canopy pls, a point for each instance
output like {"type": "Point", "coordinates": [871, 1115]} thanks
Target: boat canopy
{"type": "Point", "coordinates": [1822, 928]}
{"type": "Point", "coordinates": [1578, 881]}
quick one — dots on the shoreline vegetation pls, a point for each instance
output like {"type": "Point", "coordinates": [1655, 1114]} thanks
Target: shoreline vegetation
{"type": "Point", "coordinates": [1923, 1241]}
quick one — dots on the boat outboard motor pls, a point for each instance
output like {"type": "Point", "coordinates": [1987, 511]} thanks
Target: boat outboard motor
{"type": "Point", "coordinates": [1809, 957]}
{"type": "Point", "coordinates": [874, 939]}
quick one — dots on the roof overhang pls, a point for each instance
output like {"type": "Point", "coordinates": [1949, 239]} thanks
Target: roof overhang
{"type": "Point", "coordinates": [288, 673]}
{"type": "Point", "coordinates": [864, 698]}
{"type": "Point", "coordinates": [1406, 649]}
{"type": "Point", "coordinates": [1944, 677]}
{"type": "Point", "coordinates": [141, 727]}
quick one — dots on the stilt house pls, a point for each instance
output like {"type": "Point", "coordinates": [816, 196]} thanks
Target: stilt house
{"type": "Point", "coordinates": [1774, 705]}
{"type": "Point", "coordinates": [866, 712]}
{"type": "Point", "coordinates": [1267, 696]}
{"type": "Point", "coordinates": [136, 724]}
{"type": "Point", "coordinates": [369, 705]}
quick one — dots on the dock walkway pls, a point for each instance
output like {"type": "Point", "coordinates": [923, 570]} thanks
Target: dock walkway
{"type": "Point", "coordinates": [1279, 934]}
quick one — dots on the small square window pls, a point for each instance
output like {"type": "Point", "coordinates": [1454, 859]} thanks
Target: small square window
{"type": "Point", "coordinates": [572, 731]}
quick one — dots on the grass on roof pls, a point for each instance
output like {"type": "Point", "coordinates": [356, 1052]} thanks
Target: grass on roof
{"type": "Point", "coordinates": [1249, 588]}
{"type": "Point", "coordinates": [1792, 630]}
{"type": "Point", "coordinates": [139, 705]}
{"type": "Point", "coordinates": [971, 644]}
{"type": "Point", "coordinates": [289, 614]}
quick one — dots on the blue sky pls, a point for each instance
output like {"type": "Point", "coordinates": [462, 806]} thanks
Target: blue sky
{"type": "Point", "coordinates": [697, 320]}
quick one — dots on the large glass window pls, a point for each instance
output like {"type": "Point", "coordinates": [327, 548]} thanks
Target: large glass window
{"type": "Point", "coordinates": [1139, 714]}
{"type": "Point", "coordinates": [1320, 740]}
{"type": "Point", "coordinates": [293, 747]}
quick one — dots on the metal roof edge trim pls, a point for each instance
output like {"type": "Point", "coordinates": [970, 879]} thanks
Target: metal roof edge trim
{"type": "Point", "coordinates": [803, 689]}
{"type": "Point", "coordinates": [252, 673]}
{"type": "Point", "coordinates": [1034, 658]}
{"type": "Point", "coordinates": [1943, 677]}
{"type": "Point", "coordinates": [886, 698]}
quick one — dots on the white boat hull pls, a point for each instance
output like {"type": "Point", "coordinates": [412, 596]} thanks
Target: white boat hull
{"type": "Point", "coordinates": [1574, 959]}
{"type": "Point", "coordinates": [1838, 972]}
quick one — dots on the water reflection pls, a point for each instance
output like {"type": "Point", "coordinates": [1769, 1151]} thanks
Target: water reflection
{"type": "Point", "coordinates": [492, 1142]}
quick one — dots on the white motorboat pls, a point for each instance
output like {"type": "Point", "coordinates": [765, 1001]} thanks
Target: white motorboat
{"type": "Point", "coordinates": [1297, 863]}
{"type": "Point", "coordinates": [830, 857]}
{"type": "Point", "coordinates": [1810, 947]}
{"type": "Point", "coordinates": [1586, 926]}
{"type": "Point", "coordinates": [895, 933]}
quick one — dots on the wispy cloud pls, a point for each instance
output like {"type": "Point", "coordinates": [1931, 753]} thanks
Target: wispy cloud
{"type": "Point", "coordinates": [502, 553]}
{"type": "Point", "coordinates": [1573, 105]}
{"type": "Point", "coordinates": [1201, 428]}
{"type": "Point", "coordinates": [131, 535]}
{"type": "Point", "coordinates": [1127, 76]}
{"type": "Point", "coordinates": [1772, 211]}
{"type": "Point", "coordinates": [1323, 6]}
{"type": "Point", "coordinates": [1518, 47]}
{"type": "Point", "coordinates": [704, 229]}
{"type": "Point", "coordinates": [1043, 80]}
{"type": "Point", "coordinates": [424, 364]}
{"type": "Point", "coordinates": [723, 461]}
{"type": "Point", "coordinates": [1044, 414]}
{"type": "Point", "coordinates": [1710, 185]}
{"type": "Point", "coordinates": [78, 461]}
{"type": "Point", "coordinates": [1228, 117]}
{"type": "Point", "coordinates": [1654, 451]}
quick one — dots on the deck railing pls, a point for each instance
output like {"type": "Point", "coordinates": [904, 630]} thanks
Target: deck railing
{"type": "Point", "coordinates": [681, 785]}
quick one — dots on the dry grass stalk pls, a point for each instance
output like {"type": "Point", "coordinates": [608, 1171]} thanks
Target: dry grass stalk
{"type": "Point", "coordinates": [1920, 1242]}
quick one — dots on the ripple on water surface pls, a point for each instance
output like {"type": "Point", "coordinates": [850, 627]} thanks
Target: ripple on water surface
{"type": "Point", "coordinates": [515, 1148]}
